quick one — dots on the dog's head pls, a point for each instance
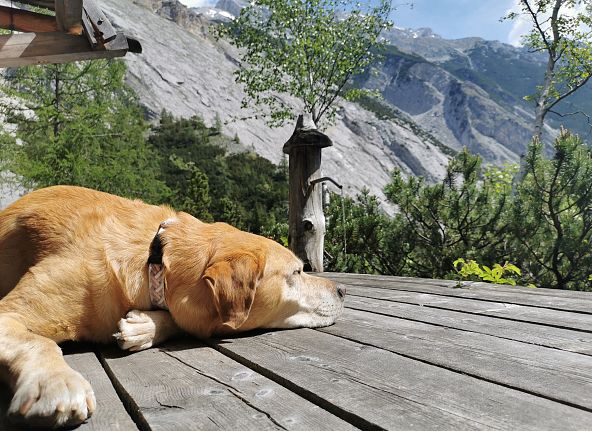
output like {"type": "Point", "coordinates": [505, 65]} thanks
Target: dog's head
{"type": "Point", "coordinates": [223, 280]}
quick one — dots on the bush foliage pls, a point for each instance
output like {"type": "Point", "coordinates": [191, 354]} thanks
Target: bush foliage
{"type": "Point", "coordinates": [541, 224]}
{"type": "Point", "coordinates": [243, 189]}
{"type": "Point", "coordinates": [78, 124]}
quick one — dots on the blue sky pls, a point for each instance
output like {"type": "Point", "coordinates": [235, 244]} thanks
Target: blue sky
{"type": "Point", "coordinates": [454, 19]}
{"type": "Point", "coordinates": [449, 18]}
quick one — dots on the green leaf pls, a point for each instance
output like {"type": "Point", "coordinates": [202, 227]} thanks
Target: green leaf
{"type": "Point", "coordinates": [308, 49]}
{"type": "Point", "coordinates": [461, 261]}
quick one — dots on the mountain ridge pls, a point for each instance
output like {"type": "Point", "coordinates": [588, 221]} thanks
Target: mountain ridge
{"type": "Point", "coordinates": [191, 73]}
{"type": "Point", "coordinates": [440, 95]}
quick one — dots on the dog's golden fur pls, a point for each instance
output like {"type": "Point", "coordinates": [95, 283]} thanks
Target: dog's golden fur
{"type": "Point", "coordinates": [73, 266]}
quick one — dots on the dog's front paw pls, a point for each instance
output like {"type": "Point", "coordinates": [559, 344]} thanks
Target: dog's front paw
{"type": "Point", "coordinates": [136, 331]}
{"type": "Point", "coordinates": [52, 398]}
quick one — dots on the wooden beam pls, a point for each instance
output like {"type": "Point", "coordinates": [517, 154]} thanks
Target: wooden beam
{"type": "Point", "coordinates": [41, 48]}
{"type": "Point", "coordinates": [89, 30]}
{"type": "Point", "coordinates": [68, 14]}
{"type": "Point", "coordinates": [306, 222]}
{"type": "Point", "coordinates": [102, 30]}
{"type": "Point", "coordinates": [119, 43]}
{"type": "Point", "coordinates": [22, 20]}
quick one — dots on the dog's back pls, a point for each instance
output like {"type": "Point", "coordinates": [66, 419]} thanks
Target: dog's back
{"type": "Point", "coordinates": [46, 221]}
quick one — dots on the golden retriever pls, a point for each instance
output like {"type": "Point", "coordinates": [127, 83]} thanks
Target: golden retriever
{"type": "Point", "coordinates": [74, 265]}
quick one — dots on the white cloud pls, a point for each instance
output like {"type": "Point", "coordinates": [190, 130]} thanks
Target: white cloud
{"type": "Point", "coordinates": [198, 3]}
{"type": "Point", "coordinates": [522, 24]}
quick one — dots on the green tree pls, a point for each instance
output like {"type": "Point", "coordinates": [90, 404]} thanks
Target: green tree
{"type": "Point", "coordinates": [242, 189]}
{"type": "Point", "coordinates": [542, 226]}
{"type": "Point", "coordinates": [561, 29]}
{"type": "Point", "coordinates": [355, 232]}
{"type": "Point", "coordinates": [309, 49]}
{"type": "Point", "coordinates": [261, 189]}
{"type": "Point", "coordinates": [552, 218]}
{"type": "Point", "coordinates": [190, 166]}
{"type": "Point", "coordinates": [194, 184]}
{"type": "Point", "coordinates": [79, 124]}
{"type": "Point", "coordinates": [464, 216]}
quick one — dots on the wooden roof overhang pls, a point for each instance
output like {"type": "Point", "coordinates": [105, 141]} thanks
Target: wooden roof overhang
{"type": "Point", "coordinates": [79, 30]}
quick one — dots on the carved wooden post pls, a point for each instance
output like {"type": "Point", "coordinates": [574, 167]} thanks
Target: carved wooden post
{"type": "Point", "coordinates": [306, 232]}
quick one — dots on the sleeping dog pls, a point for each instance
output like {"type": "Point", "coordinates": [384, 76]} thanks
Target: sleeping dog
{"type": "Point", "coordinates": [78, 264]}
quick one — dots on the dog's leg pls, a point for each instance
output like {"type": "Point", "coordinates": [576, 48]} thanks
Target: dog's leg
{"type": "Point", "coordinates": [140, 330]}
{"type": "Point", "coordinates": [47, 392]}
{"type": "Point", "coordinates": [47, 306]}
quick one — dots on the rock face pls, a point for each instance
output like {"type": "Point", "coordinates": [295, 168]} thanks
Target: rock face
{"type": "Point", "coordinates": [504, 74]}
{"type": "Point", "coordinates": [178, 13]}
{"type": "Point", "coordinates": [190, 73]}
{"type": "Point", "coordinates": [439, 95]}
{"type": "Point", "coordinates": [459, 113]}
{"type": "Point", "coordinates": [232, 6]}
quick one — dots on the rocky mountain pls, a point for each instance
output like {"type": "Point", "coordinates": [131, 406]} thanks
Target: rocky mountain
{"type": "Point", "coordinates": [439, 95]}
{"type": "Point", "coordinates": [186, 71]}
{"type": "Point", "coordinates": [504, 72]}
{"type": "Point", "coordinates": [233, 7]}
{"type": "Point", "coordinates": [458, 112]}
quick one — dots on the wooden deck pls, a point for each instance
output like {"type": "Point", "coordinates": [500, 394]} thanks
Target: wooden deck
{"type": "Point", "coordinates": [406, 354]}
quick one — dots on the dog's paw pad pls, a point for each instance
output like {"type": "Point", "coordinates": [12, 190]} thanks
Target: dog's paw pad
{"type": "Point", "coordinates": [136, 331]}
{"type": "Point", "coordinates": [52, 399]}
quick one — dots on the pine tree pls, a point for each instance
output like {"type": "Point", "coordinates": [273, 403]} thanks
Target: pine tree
{"type": "Point", "coordinates": [552, 218]}
{"type": "Point", "coordinates": [464, 216]}
{"type": "Point", "coordinates": [79, 124]}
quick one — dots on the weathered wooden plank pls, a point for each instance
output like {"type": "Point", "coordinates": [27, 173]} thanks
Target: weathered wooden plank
{"type": "Point", "coordinates": [534, 369]}
{"type": "Point", "coordinates": [103, 30]}
{"type": "Point", "coordinates": [543, 316]}
{"type": "Point", "coordinates": [379, 389]}
{"type": "Point", "coordinates": [23, 20]}
{"type": "Point", "coordinates": [547, 298]}
{"type": "Point", "coordinates": [39, 48]}
{"type": "Point", "coordinates": [68, 15]}
{"type": "Point", "coordinates": [189, 386]}
{"type": "Point", "coordinates": [557, 338]}
{"type": "Point", "coordinates": [110, 413]}
{"type": "Point", "coordinates": [89, 31]}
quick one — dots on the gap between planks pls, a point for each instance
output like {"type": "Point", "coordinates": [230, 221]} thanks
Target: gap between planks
{"type": "Point", "coordinates": [446, 288]}
{"type": "Point", "coordinates": [351, 418]}
{"type": "Point", "coordinates": [522, 304]}
{"type": "Point", "coordinates": [524, 408]}
{"type": "Point", "coordinates": [132, 409]}
{"type": "Point", "coordinates": [488, 313]}
{"type": "Point", "coordinates": [456, 341]}
{"type": "Point", "coordinates": [465, 373]}
{"type": "Point", "coordinates": [442, 325]}
{"type": "Point", "coordinates": [174, 359]}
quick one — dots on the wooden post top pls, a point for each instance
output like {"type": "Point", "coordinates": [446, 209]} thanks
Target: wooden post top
{"type": "Point", "coordinates": [306, 134]}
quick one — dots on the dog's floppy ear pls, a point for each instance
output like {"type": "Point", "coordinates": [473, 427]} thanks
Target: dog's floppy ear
{"type": "Point", "coordinates": [233, 281]}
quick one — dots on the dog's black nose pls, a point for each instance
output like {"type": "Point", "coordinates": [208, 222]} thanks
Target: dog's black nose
{"type": "Point", "coordinates": [341, 291]}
